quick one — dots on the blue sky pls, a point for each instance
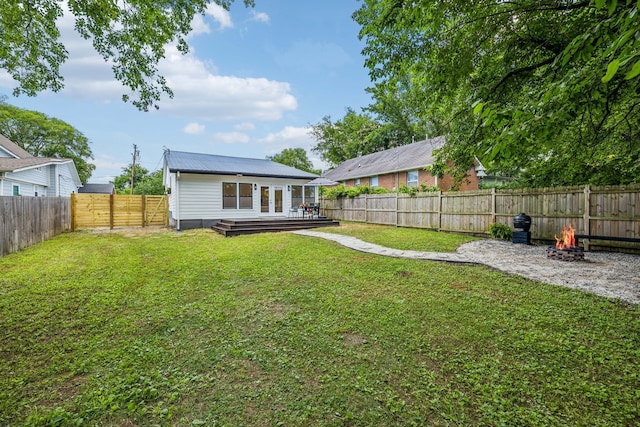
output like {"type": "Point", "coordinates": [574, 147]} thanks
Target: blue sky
{"type": "Point", "coordinates": [254, 81]}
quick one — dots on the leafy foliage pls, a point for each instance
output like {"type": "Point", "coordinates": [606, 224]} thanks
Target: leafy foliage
{"type": "Point", "coordinates": [131, 35]}
{"type": "Point", "coordinates": [357, 135]}
{"type": "Point", "coordinates": [544, 91]}
{"type": "Point", "coordinates": [44, 136]}
{"type": "Point", "coordinates": [143, 181]}
{"type": "Point", "coordinates": [341, 191]}
{"type": "Point", "coordinates": [296, 158]}
{"type": "Point", "coordinates": [500, 231]}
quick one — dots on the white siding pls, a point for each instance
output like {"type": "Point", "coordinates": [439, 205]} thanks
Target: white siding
{"type": "Point", "coordinates": [35, 176]}
{"type": "Point", "coordinates": [201, 196]}
{"type": "Point", "coordinates": [66, 184]}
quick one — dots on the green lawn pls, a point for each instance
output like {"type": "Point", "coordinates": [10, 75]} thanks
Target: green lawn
{"type": "Point", "coordinates": [402, 238]}
{"type": "Point", "coordinates": [278, 329]}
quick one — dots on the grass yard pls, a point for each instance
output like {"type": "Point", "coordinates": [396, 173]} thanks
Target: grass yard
{"type": "Point", "coordinates": [191, 329]}
{"type": "Point", "coordinates": [402, 238]}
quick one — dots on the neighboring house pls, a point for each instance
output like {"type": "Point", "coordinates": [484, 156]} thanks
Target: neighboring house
{"type": "Point", "coordinates": [204, 188]}
{"type": "Point", "coordinates": [397, 167]}
{"type": "Point", "coordinates": [97, 189]}
{"type": "Point", "coordinates": [22, 174]}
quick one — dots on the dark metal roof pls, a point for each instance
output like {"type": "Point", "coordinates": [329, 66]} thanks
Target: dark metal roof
{"type": "Point", "coordinates": [403, 158]}
{"type": "Point", "coordinates": [97, 189]}
{"type": "Point", "coordinates": [224, 165]}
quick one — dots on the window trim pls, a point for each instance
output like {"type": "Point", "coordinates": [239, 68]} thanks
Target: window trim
{"type": "Point", "coordinates": [15, 190]}
{"type": "Point", "coordinates": [371, 180]}
{"type": "Point", "coordinates": [413, 183]}
{"type": "Point", "coordinates": [237, 196]}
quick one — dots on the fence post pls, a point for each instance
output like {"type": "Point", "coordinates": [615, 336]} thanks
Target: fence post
{"type": "Point", "coordinates": [493, 205]}
{"type": "Point", "coordinates": [397, 208]}
{"type": "Point", "coordinates": [439, 210]}
{"type": "Point", "coordinates": [111, 203]}
{"type": "Point", "coordinates": [73, 212]}
{"type": "Point", "coordinates": [144, 210]}
{"type": "Point", "coordinates": [587, 215]}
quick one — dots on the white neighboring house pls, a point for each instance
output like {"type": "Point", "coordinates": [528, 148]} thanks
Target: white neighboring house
{"type": "Point", "coordinates": [22, 174]}
{"type": "Point", "coordinates": [205, 188]}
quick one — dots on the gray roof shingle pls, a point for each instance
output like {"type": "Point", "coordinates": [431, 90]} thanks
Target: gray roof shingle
{"type": "Point", "coordinates": [224, 165]}
{"type": "Point", "coordinates": [403, 158]}
{"type": "Point", "coordinates": [13, 148]}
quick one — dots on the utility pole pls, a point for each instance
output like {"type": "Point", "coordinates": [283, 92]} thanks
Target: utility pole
{"type": "Point", "coordinates": [133, 165]}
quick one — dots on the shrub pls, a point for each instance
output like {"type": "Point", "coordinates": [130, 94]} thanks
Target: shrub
{"type": "Point", "coordinates": [500, 231]}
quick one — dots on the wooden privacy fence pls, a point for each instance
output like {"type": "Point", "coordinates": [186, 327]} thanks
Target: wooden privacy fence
{"type": "Point", "coordinates": [25, 221]}
{"type": "Point", "coordinates": [113, 210]}
{"type": "Point", "coordinates": [605, 211]}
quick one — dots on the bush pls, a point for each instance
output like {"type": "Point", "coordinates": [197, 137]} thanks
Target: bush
{"type": "Point", "coordinates": [501, 231]}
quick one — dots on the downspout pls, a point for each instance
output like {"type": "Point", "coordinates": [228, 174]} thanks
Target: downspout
{"type": "Point", "coordinates": [178, 201]}
{"type": "Point", "coordinates": [1, 183]}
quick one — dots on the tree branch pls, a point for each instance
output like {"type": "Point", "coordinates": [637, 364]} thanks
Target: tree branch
{"type": "Point", "coordinates": [521, 70]}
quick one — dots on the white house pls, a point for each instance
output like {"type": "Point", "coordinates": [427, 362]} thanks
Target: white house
{"type": "Point", "coordinates": [22, 174]}
{"type": "Point", "coordinates": [205, 188]}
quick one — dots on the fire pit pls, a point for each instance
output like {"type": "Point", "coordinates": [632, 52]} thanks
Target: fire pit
{"type": "Point", "coordinates": [565, 248]}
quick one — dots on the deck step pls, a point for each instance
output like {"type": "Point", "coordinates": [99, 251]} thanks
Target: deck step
{"type": "Point", "coordinates": [230, 227]}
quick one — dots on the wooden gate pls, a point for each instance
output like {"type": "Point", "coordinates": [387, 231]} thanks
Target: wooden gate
{"type": "Point", "coordinates": [115, 210]}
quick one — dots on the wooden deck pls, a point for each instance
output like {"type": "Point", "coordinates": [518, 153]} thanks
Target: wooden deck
{"type": "Point", "coordinates": [236, 227]}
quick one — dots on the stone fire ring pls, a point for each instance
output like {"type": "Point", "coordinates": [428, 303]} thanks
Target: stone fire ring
{"type": "Point", "coordinates": [573, 254]}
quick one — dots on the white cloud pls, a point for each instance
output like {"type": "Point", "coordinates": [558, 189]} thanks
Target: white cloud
{"type": "Point", "coordinates": [230, 138]}
{"type": "Point", "coordinates": [193, 128]}
{"type": "Point", "coordinates": [260, 17]}
{"type": "Point", "coordinates": [200, 93]}
{"type": "Point", "coordinates": [244, 126]}
{"type": "Point", "coordinates": [293, 137]}
{"type": "Point", "coordinates": [220, 15]}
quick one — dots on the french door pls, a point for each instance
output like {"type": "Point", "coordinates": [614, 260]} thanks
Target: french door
{"type": "Point", "coordinates": [271, 199]}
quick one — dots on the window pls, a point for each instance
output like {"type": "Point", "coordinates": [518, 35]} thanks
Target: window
{"type": "Point", "coordinates": [237, 195]}
{"type": "Point", "coordinates": [357, 181]}
{"type": "Point", "coordinates": [309, 194]}
{"type": "Point", "coordinates": [246, 196]}
{"type": "Point", "coordinates": [16, 190]}
{"type": "Point", "coordinates": [296, 195]}
{"type": "Point", "coordinates": [412, 178]}
{"type": "Point", "coordinates": [373, 181]}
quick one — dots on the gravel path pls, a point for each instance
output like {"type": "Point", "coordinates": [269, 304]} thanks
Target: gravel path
{"type": "Point", "coordinates": [609, 274]}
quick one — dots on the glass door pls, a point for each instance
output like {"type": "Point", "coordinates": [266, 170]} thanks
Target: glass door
{"type": "Point", "coordinates": [271, 199]}
{"type": "Point", "coordinates": [264, 199]}
{"type": "Point", "coordinates": [277, 195]}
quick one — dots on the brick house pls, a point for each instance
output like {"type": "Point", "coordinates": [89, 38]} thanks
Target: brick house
{"type": "Point", "coordinates": [399, 166]}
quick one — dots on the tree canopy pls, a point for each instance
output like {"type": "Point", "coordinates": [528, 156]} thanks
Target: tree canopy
{"type": "Point", "coordinates": [547, 91]}
{"type": "Point", "coordinates": [143, 181]}
{"type": "Point", "coordinates": [357, 134]}
{"type": "Point", "coordinates": [296, 158]}
{"type": "Point", "coordinates": [44, 136]}
{"type": "Point", "coordinates": [131, 35]}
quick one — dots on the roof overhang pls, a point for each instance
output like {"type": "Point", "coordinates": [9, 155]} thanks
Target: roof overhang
{"type": "Point", "coordinates": [229, 173]}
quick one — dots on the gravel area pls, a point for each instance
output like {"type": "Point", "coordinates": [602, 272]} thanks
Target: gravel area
{"type": "Point", "coordinates": [609, 274]}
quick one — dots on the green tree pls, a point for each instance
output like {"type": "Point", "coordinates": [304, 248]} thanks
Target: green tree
{"type": "Point", "coordinates": [143, 181]}
{"type": "Point", "coordinates": [44, 136]}
{"type": "Point", "coordinates": [296, 158]}
{"type": "Point", "coordinates": [546, 91]}
{"type": "Point", "coordinates": [151, 184]}
{"type": "Point", "coordinates": [352, 136]}
{"type": "Point", "coordinates": [122, 182]}
{"type": "Point", "coordinates": [132, 35]}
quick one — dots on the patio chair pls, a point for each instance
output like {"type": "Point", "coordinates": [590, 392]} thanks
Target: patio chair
{"type": "Point", "coordinates": [294, 212]}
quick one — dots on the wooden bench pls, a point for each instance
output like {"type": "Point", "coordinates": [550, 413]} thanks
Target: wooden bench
{"type": "Point", "coordinates": [589, 237]}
